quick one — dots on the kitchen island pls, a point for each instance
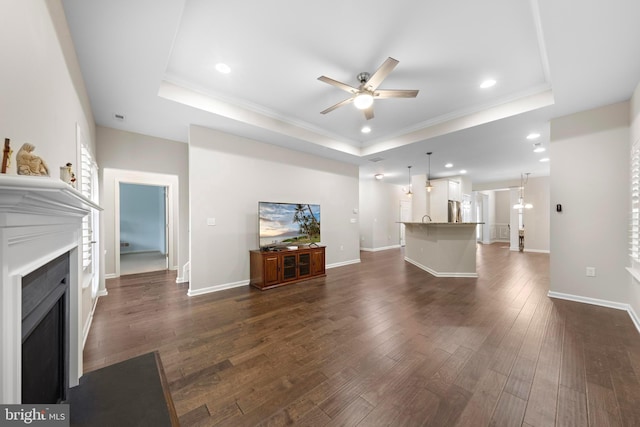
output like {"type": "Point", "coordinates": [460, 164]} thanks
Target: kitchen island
{"type": "Point", "coordinates": [444, 249]}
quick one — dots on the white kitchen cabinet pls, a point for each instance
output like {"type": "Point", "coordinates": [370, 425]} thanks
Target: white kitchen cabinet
{"type": "Point", "coordinates": [443, 191]}
{"type": "Point", "coordinates": [454, 191]}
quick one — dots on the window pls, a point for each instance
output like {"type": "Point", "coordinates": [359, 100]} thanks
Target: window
{"type": "Point", "coordinates": [634, 226]}
{"type": "Point", "coordinates": [86, 187]}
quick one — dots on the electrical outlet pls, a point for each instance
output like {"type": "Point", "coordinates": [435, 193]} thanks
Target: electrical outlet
{"type": "Point", "coordinates": [211, 221]}
{"type": "Point", "coordinates": [591, 272]}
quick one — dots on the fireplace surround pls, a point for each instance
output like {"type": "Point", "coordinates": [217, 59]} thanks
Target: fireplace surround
{"type": "Point", "coordinates": [40, 221]}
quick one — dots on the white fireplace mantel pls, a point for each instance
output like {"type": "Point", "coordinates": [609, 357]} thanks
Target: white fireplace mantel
{"type": "Point", "coordinates": [40, 219]}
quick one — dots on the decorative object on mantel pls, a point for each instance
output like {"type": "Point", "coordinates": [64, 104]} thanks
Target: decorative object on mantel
{"type": "Point", "coordinates": [30, 164]}
{"type": "Point", "coordinates": [67, 176]}
{"type": "Point", "coordinates": [6, 156]}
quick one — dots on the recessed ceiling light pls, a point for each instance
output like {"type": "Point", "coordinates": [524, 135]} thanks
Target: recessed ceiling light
{"type": "Point", "coordinates": [487, 84]}
{"type": "Point", "coordinates": [223, 68]}
{"type": "Point", "coordinates": [533, 135]}
{"type": "Point", "coordinates": [463, 171]}
{"type": "Point", "coordinates": [365, 129]}
{"type": "Point", "coordinates": [539, 148]}
{"type": "Point", "coordinates": [448, 165]}
{"type": "Point", "coordinates": [545, 159]}
{"type": "Point", "coordinates": [379, 176]}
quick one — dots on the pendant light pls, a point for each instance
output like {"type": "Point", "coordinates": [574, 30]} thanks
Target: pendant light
{"type": "Point", "coordinates": [524, 178]}
{"type": "Point", "coordinates": [429, 186]}
{"type": "Point", "coordinates": [409, 193]}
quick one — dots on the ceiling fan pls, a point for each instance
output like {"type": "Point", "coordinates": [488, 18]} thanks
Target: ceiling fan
{"type": "Point", "coordinates": [363, 96]}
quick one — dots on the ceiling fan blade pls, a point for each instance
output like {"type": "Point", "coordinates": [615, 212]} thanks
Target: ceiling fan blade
{"type": "Point", "coordinates": [339, 104]}
{"type": "Point", "coordinates": [338, 84]}
{"type": "Point", "coordinates": [368, 113]}
{"type": "Point", "coordinates": [393, 93]}
{"type": "Point", "coordinates": [381, 73]}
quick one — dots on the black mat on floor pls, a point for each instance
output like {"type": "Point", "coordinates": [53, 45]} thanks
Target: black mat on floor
{"type": "Point", "coordinates": [129, 393]}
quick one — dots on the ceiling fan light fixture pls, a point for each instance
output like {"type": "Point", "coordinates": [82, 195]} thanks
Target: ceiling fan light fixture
{"type": "Point", "coordinates": [365, 129]}
{"type": "Point", "coordinates": [379, 176]}
{"type": "Point", "coordinates": [362, 101]}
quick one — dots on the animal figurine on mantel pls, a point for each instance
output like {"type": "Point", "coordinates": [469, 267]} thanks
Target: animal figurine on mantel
{"type": "Point", "coordinates": [30, 164]}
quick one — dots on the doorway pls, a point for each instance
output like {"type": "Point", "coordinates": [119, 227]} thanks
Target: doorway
{"type": "Point", "coordinates": [144, 228]}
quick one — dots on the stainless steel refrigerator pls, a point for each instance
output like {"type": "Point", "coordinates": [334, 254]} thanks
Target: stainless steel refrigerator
{"type": "Point", "coordinates": [454, 212]}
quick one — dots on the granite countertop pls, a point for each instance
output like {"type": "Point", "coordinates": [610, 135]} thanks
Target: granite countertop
{"type": "Point", "coordinates": [439, 223]}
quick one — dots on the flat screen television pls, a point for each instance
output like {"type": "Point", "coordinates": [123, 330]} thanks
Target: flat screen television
{"type": "Point", "coordinates": [288, 224]}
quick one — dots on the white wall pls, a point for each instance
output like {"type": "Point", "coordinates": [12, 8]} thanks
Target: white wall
{"type": "Point", "coordinates": [536, 220]}
{"type": "Point", "coordinates": [420, 200]}
{"type": "Point", "coordinates": [502, 208]}
{"type": "Point", "coordinates": [379, 214]}
{"type": "Point", "coordinates": [126, 151]}
{"type": "Point", "coordinates": [43, 94]}
{"type": "Point", "coordinates": [590, 178]}
{"type": "Point", "coordinates": [39, 102]}
{"type": "Point", "coordinates": [229, 175]}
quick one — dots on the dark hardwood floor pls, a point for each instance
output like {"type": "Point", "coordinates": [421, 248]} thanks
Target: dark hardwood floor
{"type": "Point", "coordinates": [380, 343]}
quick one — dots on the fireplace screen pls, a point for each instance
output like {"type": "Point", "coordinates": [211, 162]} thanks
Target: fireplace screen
{"type": "Point", "coordinates": [45, 333]}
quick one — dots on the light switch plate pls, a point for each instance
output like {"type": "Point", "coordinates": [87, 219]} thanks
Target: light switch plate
{"type": "Point", "coordinates": [211, 221]}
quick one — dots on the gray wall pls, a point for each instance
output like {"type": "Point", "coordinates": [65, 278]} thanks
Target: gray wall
{"type": "Point", "coordinates": [43, 93]}
{"type": "Point", "coordinates": [590, 178]}
{"type": "Point", "coordinates": [379, 214]}
{"type": "Point", "coordinates": [503, 207]}
{"type": "Point", "coordinates": [129, 151]}
{"type": "Point", "coordinates": [229, 175]}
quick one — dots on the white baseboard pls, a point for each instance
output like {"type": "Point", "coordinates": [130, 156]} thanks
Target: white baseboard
{"type": "Point", "coordinates": [383, 248]}
{"type": "Point", "coordinates": [342, 264]}
{"type": "Point", "coordinates": [537, 251]}
{"type": "Point", "coordinates": [634, 317]}
{"type": "Point", "coordinates": [601, 303]}
{"type": "Point", "coordinates": [110, 276]}
{"type": "Point", "coordinates": [437, 273]}
{"type": "Point", "coordinates": [216, 288]}
{"type": "Point", "coordinates": [89, 321]}
{"type": "Point", "coordinates": [185, 273]}
{"type": "Point", "coordinates": [102, 293]}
